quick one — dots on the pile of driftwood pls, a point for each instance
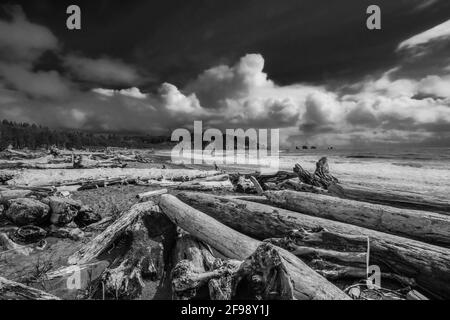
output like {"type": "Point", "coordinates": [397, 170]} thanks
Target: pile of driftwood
{"type": "Point", "coordinates": [304, 236]}
{"type": "Point", "coordinates": [65, 159]}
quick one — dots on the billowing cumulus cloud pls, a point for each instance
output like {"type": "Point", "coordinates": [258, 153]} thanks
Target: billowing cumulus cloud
{"type": "Point", "coordinates": [130, 92]}
{"type": "Point", "coordinates": [105, 71]}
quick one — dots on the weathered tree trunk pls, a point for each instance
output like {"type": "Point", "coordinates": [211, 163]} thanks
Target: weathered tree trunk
{"type": "Point", "coordinates": [101, 242]}
{"type": "Point", "coordinates": [150, 194]}
{"type": "Point", "coordinates": [429, 265]}
{"type": "Point", "coordinates": [10, 290]}
{"type": "Point", "coordinates": [224, 239]}
{"type": "Point", "coordinates": [198, 274]}
{"type": "Point", "coordinates": [274, 273]}
{"type": "Point", "coordinates": [386, 197]}
{"type": "Point", "coordinates": [126, 280]}
{"type": "Point", "coordinates": [421, 225]}
{"type": "Point", "coordinates": [205, 185]}
{"type": "Point", "coordinates": [235, 245]}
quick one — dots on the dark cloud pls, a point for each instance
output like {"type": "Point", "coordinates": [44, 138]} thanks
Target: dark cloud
{"type": "Point", "coordinates": [231, 66]}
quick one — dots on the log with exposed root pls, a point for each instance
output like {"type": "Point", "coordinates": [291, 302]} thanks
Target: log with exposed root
{"type": "Point", "coordinates": [198, 274]}
{"type": "Point", "coordinates": [101, 242]}
{"type": "Point", "coordinates": [428, 264]}
{"type": "Point", "coordinates": [273, 273]}
{"type": "Point", "coordinates": [126, 280]}
{"type": "Point", "coordinates": [11, 290]}
{"type": "Point", "coordinates": [421, 225]}
{"type": "Point", "coordinates": [134, 253]}
{"type": "Point", "coordinates": [307, 284]}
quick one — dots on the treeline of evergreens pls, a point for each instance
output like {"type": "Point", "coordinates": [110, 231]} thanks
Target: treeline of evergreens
{"type": "Point", "coordinates": [32, 136]}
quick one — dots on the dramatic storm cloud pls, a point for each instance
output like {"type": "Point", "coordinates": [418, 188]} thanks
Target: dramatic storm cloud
{"type": "Point", "coordinates": [43, 80]}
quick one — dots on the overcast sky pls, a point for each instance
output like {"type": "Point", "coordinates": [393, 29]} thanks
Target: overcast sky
{"type": "Point", "coordinates": [310, 68]}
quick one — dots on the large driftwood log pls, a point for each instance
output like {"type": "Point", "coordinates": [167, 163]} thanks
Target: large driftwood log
{"type": "Point", "coordinates": [421, 225]}
{"type": "Point", "coordinates": [428, 264]}
{"type": "Point", "coordinates": [307, 284]}
{"type": "Point", "coordinates": [125, 280]}
{"type": "Point", "coordinates": [387, 197]}
{"type": "Point", "coordinates": [205, 185]}
{"type": "Point", "coordinates": [60, 177]}
{"type": "Point", "coordinates": [10, 290]}
{"type": "Point", "coordinates": [101, 242]}
{"type": "Point", "coordinates": [227, 241]}
{"type": "Point", "coordinates": [273, 273]}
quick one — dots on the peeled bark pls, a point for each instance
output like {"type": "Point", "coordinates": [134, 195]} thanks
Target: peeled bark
{"type": "Point", "coordinates": [306, 282]}
{"type": "Point", "coordinates": [429, 265]}
{"type": "Point", "coordinates": [420, 225]}
{"type": "Point", "coordinates": [10, 290]}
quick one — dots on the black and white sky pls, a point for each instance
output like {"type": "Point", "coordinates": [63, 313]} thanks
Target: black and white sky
{"type": "Point", "coordinates": [308, 67]}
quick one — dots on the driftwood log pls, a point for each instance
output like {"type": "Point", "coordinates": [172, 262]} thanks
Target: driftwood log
{"type": "Point", "coordinates": [11, 290]}
{"type": "Point", "coordinates": [307, 284]}
{"type": "Point", "coordinates": [126, 279]}
{"type": "Point", "coordinates": [421, 225]}
{"type": "Point", "coordinates": [101, 242]}
{"type": "Point", "coordinates": [206, 185]}
{"type": "Point", "coordinates": [150, 194]}
{"type": "Point", "coordinates": [198, 274]}
{"type": "Point", "coordinates": [273, 273]}
{"type": "Point", "coordinates": [428, 264]}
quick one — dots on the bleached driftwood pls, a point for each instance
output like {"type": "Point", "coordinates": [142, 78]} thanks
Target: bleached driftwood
{"type": "Point", "coordinates": [205, 185]}
{"type": "Point", "coordinates": [306, 282]}
{"type": "Point", "coordinates": [421, 225]}
{"type": "Point", "coordinates": [428, 264]}
{"type": "Point", "coordinates": [11, 290]}
{"type": "Point", "coordinates": [101, 242]}
{"type": "Point", "coordinates": [150, 194]}
{"type": "Point", "coordinates": [273, 273]}
{"type": "Point", "coordinates": [59, 177]}
{"type": "Point", "coordinates": [126, 280]}
{"type": "Point", "coordinates": [196, 267]}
